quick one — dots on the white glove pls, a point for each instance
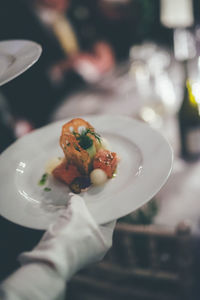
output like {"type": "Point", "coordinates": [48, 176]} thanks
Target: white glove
{"type": "Point", "coordinates": [72, 242]}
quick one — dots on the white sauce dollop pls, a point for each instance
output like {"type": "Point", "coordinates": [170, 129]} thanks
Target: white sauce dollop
{"type": "Point", "coordinates": [52, 164]}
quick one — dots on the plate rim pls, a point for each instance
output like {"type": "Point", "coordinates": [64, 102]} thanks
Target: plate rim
{"type": "Point", "coordinates": [37, 46]}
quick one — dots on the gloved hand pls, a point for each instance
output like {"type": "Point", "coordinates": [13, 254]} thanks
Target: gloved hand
{"type": "Point", "coordinates": [73, 241]}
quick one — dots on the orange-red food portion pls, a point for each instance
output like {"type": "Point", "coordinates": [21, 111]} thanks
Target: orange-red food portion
{"type": "Point", "coordinates": [77, 137]}
{"type": "Point", "coordinates": [66, 173]}
{"type": "Point", "coordinates": [106, 160]}
{"type": "Point", "coordinates": [74, 125]}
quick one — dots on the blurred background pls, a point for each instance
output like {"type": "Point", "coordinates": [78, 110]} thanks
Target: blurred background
{"type": "Point", "coordinates": [139, 58]}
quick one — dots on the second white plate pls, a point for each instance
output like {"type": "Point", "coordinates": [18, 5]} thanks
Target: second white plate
{"type": "Point", "coordinates": [16, 56]}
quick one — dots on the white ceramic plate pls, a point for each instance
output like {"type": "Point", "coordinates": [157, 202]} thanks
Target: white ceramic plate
{"type": "Point", "coordinates": [16, 56]}
{"type": "Point", "coordinates": [146, 162]}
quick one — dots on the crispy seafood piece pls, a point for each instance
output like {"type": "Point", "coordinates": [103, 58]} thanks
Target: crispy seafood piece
{"type": "Point", "coordinates": [74, 154]}
{"type": "Point", "coordinates": [77, 125]}
{"type": "Point", "coordinates": [70, 139]}
{"type": "Point", "coordinates": [74, 125]}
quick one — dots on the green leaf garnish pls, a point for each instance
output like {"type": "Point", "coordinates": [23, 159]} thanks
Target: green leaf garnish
{"type": "Point", "coordinates": [47, 189]}
{"type": "Point", "coordinates": [43, 180]}
{"type": "Point", "coordinates": [96, 135]}
{"type": "Point", "coordinates": [84, 140]}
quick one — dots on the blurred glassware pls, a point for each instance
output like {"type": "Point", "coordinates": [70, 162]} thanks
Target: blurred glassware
{"type": "Point", "coordinates": [179, 16]}
{"type": "Point", "coordinates": [148, 86]}
{"type": "Point", "coordinates": [184, 44]}
{"type": "Point", "coordinates": [156, 75]}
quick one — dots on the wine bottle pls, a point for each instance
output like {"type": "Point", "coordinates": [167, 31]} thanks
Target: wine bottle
{"type": "Point", "coordinates": [189, 121]}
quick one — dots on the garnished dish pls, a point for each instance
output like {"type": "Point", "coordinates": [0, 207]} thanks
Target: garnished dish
{"type": "Point", "coordinates": [87, 160]}
{"type": "Point", "coordinates": [140, 173]}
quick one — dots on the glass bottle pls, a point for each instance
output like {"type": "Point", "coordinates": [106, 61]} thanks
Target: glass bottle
{"type": "Point", "coordinates": [189, 121]}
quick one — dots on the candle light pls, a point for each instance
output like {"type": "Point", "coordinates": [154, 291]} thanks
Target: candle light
{"type": "Point", "coordinates": [176, 13]}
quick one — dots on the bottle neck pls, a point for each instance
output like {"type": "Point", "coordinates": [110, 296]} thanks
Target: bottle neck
{"type": "Point", "coordinates": [185, 68]}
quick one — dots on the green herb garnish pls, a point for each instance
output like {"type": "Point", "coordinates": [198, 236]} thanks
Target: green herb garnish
{"type": "Point", "coordinates": [43, 180]}
{"type": "Point", "coordinates": [84, 140]}
{"type": "Point", "coordinates": [47, 189]}
{"type": "Point", "coordinates": [96, 135]}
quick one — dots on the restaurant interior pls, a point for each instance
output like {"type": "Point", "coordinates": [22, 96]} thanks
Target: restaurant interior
{"type": "Point", "coordinates": [134, 58]}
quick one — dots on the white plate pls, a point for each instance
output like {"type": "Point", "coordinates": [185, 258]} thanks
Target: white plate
{"type": "Point", "coordinates": [146, 162]}
{"type": "Point", "coordinates": [16, 56]}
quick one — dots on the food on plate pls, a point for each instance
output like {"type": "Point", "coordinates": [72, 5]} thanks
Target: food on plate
{"type": "Point", "coordinates": [87, 161]}
{"type": "Point", "coordinates": [66, 172]}
{"type": "Point", "coordinates": [80, 184]}
{"type": "Point", "coordinates": [52, 164]}
{"type": "Point", "coordinates": [107, 161]}
{"type": "Point", "coordinates": [43, 179]}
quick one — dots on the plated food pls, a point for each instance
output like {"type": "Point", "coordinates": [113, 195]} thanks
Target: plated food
{"type": "Point", "coordinates": [140, 173]}
{"type": "Point", "coordinates": [87, 160]}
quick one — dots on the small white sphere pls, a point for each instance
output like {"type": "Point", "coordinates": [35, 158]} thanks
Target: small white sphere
{"type": "Point", "coordinates": [98, 177]}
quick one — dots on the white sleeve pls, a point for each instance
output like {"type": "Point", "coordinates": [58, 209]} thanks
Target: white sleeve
{"type": "Point", "coordinates": [34, 281]}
